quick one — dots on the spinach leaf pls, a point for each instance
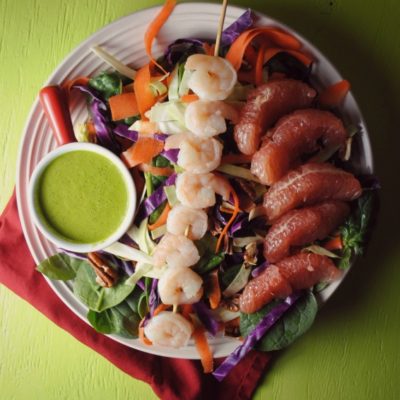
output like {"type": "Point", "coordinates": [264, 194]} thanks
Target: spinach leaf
{"type": "Point", "coordinates": [157, 212]}
{"type": "Point", "coordinates": [160, 161]}
{"type": "Point", "coordinates": [226, 277]}
{"type": "Point", "coordinates": [208, 258]}
{"type": "Point", "coordinates": [355, 230]}
{"type": "Point", "coordinates": [107, 84]}
{"type": "Point", "coordinates": [60, 267]}
{"type": "Point", "coordinates": [156, 180]}
{"type": "Point", "coordinates": [294, 323]}
{"type": "Point", "coordinates": [121, 319]}
{"type": "Point", "coordinates": [96, 297]}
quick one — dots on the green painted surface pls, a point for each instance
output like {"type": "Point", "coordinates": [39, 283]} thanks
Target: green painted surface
{"type": "Point", "coordinates": [352, 351]}
{"type": "Point", "coordinates": [82, 196]}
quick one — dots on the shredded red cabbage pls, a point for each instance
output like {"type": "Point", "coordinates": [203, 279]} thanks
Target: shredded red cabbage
{"type": "Point", "coordinates": [180, 48]}
{"type": "Point", "coordinates": [245, 21]}
{"type": "Point", "coordinates": [153, 296]}
{"type": "Point", "coordinates": [206, 318]}
{"type": "Point", "coordinates": [155, 200]}
{"type": "Point", "coordinates": [260, 269]}
{"type": "Point", "coordinates": [103, 127]}
{"type": "Point", "coordinates": [171, 155]}
{"type": "Point", "coordinates": [123, 131]}
{"type": "Point", "coordinates": [251, 340]}
{"type": "Point", "coordinates": [93, 93]}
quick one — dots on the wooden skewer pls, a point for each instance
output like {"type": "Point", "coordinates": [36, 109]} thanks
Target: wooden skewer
{"type": "Point", "coordinates": [220, 27]}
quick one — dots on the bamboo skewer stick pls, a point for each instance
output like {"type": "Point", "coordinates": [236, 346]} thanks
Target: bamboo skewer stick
{"type": "Point", "coordinates": [220, 27]}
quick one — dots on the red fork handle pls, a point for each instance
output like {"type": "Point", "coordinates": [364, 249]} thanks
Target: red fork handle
{"type": "Point", "coordinates": [55, 106]}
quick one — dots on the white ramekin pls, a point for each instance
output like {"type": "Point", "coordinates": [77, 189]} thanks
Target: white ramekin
{"type": "Point", "coordinates": [58, 240]}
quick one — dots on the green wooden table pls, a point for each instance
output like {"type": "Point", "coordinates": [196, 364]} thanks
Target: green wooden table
{"type": "Point", "coordinates": [352, 351]}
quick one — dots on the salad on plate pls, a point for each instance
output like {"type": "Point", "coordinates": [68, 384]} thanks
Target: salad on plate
{"type": "Point", "coordinates": [249, 203]}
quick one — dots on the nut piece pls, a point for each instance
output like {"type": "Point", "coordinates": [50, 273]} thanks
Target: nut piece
{"type": "Point", "coordinates": [106, 276]}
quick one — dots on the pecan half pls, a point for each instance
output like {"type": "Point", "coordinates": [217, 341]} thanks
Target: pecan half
{"type": "Point", "coordinates": [105, 275]}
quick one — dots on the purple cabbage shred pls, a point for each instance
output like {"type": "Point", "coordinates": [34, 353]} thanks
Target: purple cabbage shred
{"type": "Point", "coordinates": [256, 335]}
{"type": "Point", "coordinates": [155, 200]}
{"type": "Point", "coordinates": [206, 317]}
{"type": "Point", "coordinates": [233, 31]}
{"type": "Point", "coordinates": [260, 269]}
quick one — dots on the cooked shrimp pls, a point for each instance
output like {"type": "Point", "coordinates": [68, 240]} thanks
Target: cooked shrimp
{"type": "Point", "coordinates": [196, 155]}
{"type": "Point", "coordinates": [175, 250]}
{"type": "Point", "coordinates": [169, 329]}
{"type": "Point", "coordinates": [207, 118]}
{"type": "Point", "coordinates": [191, 222]}
{"type": "Point", "coordinates": [180, 286]}
{"type": "Point", "coordinates": [198, 190]}
{"type": "Point", "coordinates": [213, 78]}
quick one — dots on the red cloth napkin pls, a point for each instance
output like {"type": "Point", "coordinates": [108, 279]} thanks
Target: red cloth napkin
{"type": "Point", "coordinates": [170, 378]}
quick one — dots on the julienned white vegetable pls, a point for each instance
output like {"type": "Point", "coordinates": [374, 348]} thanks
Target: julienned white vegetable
{"type": "Point", "coordinates": [140, 235]}
{"type": "Point", "coordinates": [320, 251]}
{"type": "Point", "coordinates": [113, 62]}
{"type": "Point", "coordinates": [170, 191]}
{"type": "Point", "coordinates": [128, 253]}
{"type": "Point", "coordinates": [225, 315]}
{"type": "Point", "coordinates": [158, 232]}
{"type": "Point", "coordinates": [170, 116]}
{"type": "Point", "coordinates": [158, 88]}
{"type": "Point", "coordinates": [256, 212]}
{"type": "Point", "coordinates": [144, 270]}
{"type": "Point", "coordinates": [239, 282]}
{"type": "Point", "coordinates": [239, 172]}
{"type": "Point", "coordinates": [184, 83]}
{"type": "Point", "coordinates": [244, 241]}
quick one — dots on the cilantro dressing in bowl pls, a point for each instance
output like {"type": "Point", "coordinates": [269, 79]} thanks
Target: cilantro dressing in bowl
{"type": "Point", "coordinates": [82, 197]}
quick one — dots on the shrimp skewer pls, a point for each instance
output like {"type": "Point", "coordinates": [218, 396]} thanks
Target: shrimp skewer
{"type": "Point", "coordinates": [182, 219]}
{"type": "Point", "coordinates": [180, 286]}
{"type": "Point", "coordinates": [196, 155]}
{"type": "Point", "coordinates": [175, 250]}
{"type": "Point", "coordinates": [198, 190]}
{"type": "Point", "coordinates": [207, 118]}
{"type": "Point", "coordinates": [213, 78]}
{"type": "Point", "coordinates": [169, 329]}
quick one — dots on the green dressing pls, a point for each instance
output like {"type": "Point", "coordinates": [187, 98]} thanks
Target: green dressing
{"type": "Point", "coordinates": [82, 197]}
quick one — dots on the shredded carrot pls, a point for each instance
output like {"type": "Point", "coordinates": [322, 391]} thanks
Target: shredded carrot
{"type": "Point", "coordinates": [187, 309]}
{"type": "Point", "coordinates": [258, 70]}
{"type": "Point", "coordinates": [334, 244]}
{"type": "Point", "coordinates": [250, 55]}
{"type": "Point", "coordinates": [203, 348]}
{"type": "Point", "coordinates": [142, 151]}
{"type": "Point", "coordinates": [188, 98]}
{"type": "Point", "coordinates": [123, 106]}
{"type": "Point", "coordinates": [236, 158]}
{"type": "Point", "coordinates": [162, 219]}
{"type": "Point", "coordinates": [333, 95]}
{"type": "Point", "coordinates": [128, 88]}
{"type": "Point", "coordinates": [234, 215]}
{"type": "Point", "coordinates": [226, 210]}
{"type": "Point", "coordinates": [270, 35]}
{"type": "Point", "coordinates": [215, 291]}
{"type": "Point", "coordinates": [145, 98]}
{"type": "Point", "coordinates": [142, 336]}
{"type": "Point", "coordinates": [161, 307]}
{"type": "Point", "coordinates": [90, 127]}
{"type": "Point", "coordinates": [154, 28]}
{"type": "Point", "coordinates": [208, 49]}
{"type": "Point", "coordinates": [273, 51]}
{"type": "Point", "coordinates": [166, 171]}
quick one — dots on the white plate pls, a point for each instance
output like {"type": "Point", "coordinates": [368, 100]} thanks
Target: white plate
{"type": "Point", "coordinates": [124, 39]}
